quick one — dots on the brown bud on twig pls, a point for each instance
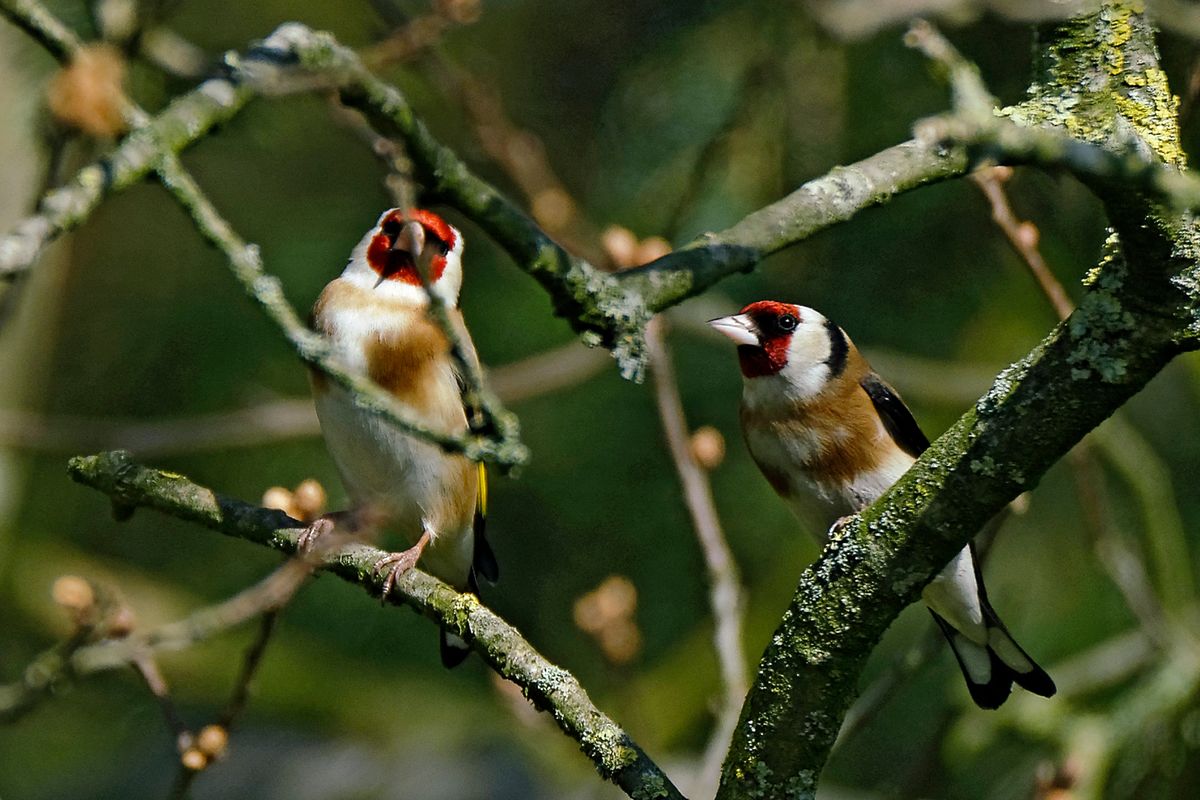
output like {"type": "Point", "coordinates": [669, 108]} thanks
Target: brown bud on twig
{"type": "Point", "coordinates": [121, 622]}
{"type": "Point", "coordinates": [193, 759]}
{"type": "Point", "coordinates": [606, 613]}
{"type": "Point", "coordinates": [620, 245]}
{"type": "Point", "coordinates": [212, 741]}
{"type": "Point", "coordinates": [77, 597]}
{"type": "Point", "coordinates": [651, 248]}
{"type": "Point", "coordinates": [1028, 235]}
{"type": "Point", "coordinates": [304, 504]}
{"type": "Point", "coordinates": [309, 500]}
{"type": "Point", "coordinates": [278, 498]}
{"type": "Point", "coordinates": [87, 94]}
{"type": "Point", "coordinates": [553, 209]}
{"type": "Point", "coordinates": [464, 12]}
{"type": "Point", "coordinates": [708, 447]}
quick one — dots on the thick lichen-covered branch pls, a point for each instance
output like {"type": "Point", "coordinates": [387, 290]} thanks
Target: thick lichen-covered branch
{"type": "Point", "coordinates": [1036, 411]}
{"type": "Point", "coordinates": [1137, 307]}
{"type": "Point", "coordinates": [550, 688]}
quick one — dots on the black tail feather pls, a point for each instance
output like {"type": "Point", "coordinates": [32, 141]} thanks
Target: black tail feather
{"type": "Point", "coordinates": [484, 563]}
{"type": "Point", "coordinates": [454, 650]}
{"type": "Point", "coordinates": [992, 692]}
{"type": "Point", "coordinates": [1036, 679]}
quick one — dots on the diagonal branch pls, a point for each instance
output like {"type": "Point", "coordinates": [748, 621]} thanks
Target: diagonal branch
{"type": "Point", "coordinates": [549, 688]}
{"type": "Point", "coordinates": [246, 263]}
{"type": "Point", "coordinates": [724, 593]}
{"type": "Point", "coordinates": [1138, 304]}
{"type": "Point", "coordinates": [604, 307]}
{"type": "Point", "coordinates": [314, 349]}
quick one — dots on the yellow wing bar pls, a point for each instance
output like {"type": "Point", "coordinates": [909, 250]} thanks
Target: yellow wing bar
{"type": "Point", "coordinates": [481, 508]}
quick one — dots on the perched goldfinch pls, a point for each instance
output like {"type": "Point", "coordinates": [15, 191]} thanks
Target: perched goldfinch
{"type": "Point", "coordinates": [376, 315]}
{"type": "Point", "coordinates": [818, 421]}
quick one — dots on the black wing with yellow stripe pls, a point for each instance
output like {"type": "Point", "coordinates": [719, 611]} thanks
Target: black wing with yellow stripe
{"type": "Point", "coordinates": [484, 562]}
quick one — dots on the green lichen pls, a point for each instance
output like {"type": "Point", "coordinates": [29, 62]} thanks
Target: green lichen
{"type": "Point", "coordinates": [1100, 326]}
{"type": "Point", "coordinates": [612, 751]}
{"type": "Point", "coordinates": [1097, 77]}
{"type": "Point", "coordinates": [458, 615]}
{"type": "Point", "coordinates": [802, 786]}
{"type": "Point", "coordinates": [983, 466]}
{"type": "Point", "coordinates": [652, 786]}
{"type": "Point", "coordinates": [1148, 104]}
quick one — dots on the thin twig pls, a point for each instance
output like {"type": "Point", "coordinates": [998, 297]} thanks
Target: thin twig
{"type": "Point", "coordinates": [33, 18]}
{"type": "Point", "coordinates": [971, 96]}
{"type": "Point", "coordinates": [272, 421]}
{"type": "Point", "coordinates": [725, 593]}
{"type": "Point", "coordinates": [250, 664]}
{"type": "Point", "coordinates": [1023, 236]}
{"type": "Point", "coordinates": [278, 420]}
{"type": "Point", "coordinates": [266, 290]}
{"type": "Point", "coordinates": [238, 698]}
{"type": "Point", "coordinates": [1123, 565]}
{"type": "Point", "coordinates": [147, 669]}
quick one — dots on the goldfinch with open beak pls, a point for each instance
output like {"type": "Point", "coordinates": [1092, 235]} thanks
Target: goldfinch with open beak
{"type": "Point", "coordinates": [376, 315]}
{"type": "Point", "coordinates": [817, 420]}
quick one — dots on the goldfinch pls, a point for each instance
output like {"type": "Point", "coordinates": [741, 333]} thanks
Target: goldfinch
{"type": "Point", "coordinates": [818, 421]}
{"type": "Point", "coordinates": [376, 316]}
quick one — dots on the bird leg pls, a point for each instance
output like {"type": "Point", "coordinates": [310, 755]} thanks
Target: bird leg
{"type": "Point", "coordinates": [321, 526]}
{"type": "Point", "coordinates": [399, 563]}
{"type": "Point", "coordinates": [348, 522]}
{"type": "Point", "coordinates": [836, 528]}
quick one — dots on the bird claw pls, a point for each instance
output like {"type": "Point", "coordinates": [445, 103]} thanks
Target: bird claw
{"type": "Point", "coordinates": [838, 524]}
{"type": "Point", "coordinates": [321, 526]}
{"type": "Point", "coordinates": [396, 565]}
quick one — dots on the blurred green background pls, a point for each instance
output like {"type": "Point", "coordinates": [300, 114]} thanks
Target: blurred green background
{"type": "Point", "coordinates": [668, 119]}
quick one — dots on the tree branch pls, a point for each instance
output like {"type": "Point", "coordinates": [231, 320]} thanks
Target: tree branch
{"type": "Point", "coordinates": [505, 449]}
{"type": "Point", "coordinates": [725, 590]}
{"type": "Point", "coordinates": [549, 688]}
{"type": "Point", "coordinates": [604, 307]}
{"type": "Point", "coordinates": [186, 120]}
{"type": "Point", "coordinates": [1127, 327]}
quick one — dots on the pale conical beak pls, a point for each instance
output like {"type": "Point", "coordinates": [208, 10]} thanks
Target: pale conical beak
{"type": "Point", "coordinates": [411, 240]}
{"type": "Point", "coordinates": [739, 327]}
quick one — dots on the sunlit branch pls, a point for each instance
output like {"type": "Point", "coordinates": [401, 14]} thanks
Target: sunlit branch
{"type": "Point", "coordinates": [547, 686]}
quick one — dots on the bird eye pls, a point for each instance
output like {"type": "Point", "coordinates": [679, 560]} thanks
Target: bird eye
{"type": "Point", "coordinates": [788, 322]}
{"type": "Point", "coordinates": [391, 227]}
{"type": "Point", "coordinates": [441, 246]}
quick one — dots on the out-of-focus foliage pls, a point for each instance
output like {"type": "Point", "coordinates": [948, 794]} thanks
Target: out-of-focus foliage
{"type": "Point", "coordinates": [669, 119]}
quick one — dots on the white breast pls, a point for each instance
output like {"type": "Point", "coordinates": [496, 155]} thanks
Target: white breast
{"type": "Point", "coordinates": [401, 476]}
